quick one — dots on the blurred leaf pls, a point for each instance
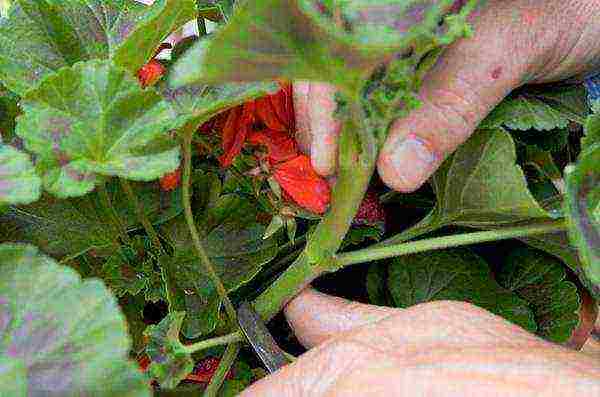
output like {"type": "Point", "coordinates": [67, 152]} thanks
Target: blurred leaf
{"type": "Point", "coordinates": [361, 234]}
{"type": "Point", "coordinates": [41, 36]}
{"type": "Point", "coordinates": [271, 39]}
{"type": "Point", "coordinates": [236, 247]}
{"type": "Point", "coordinates": [552, 141]}
{"type": "Point", "coordinates": [455, 274]}
{"type": "Point", "coordinates": [61, 335]}
{"type": "Point", "coordinates": [582, 207]}
{"type": "Point", "coordinates": [19, 184]}
{"type": "Point", "coordinates": [540, 280]}
{"type": "Point", "coordinates": [118, 130]}
{"type": "Point", "coordinates": [170, 361]}
{"type": "Point", "coordinates": [592, 130]}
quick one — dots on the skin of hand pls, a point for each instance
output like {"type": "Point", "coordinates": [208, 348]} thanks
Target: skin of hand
{"type": "Point", "coordinates": [515, 42]}
{"type": "Point", "coordinates": [441, 348]}
{"type": "Point", "coordinates": [433, 349]}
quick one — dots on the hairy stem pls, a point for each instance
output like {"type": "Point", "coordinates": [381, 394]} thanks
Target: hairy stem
{"type": "Point", "coordinates": [113, 213]}
{"type": "Point", "coordinates": [189, 217]}
{"type": "Point", "coordinates": [390, 251]}
{"type": "Point", "coordinates": [208, 343]}
{"type": "Point", "coordinates": [141, 214]}
{"type": "Point", "coordinates": [357, 155]}
{"type": "Point", "coordinates": [224, 366]}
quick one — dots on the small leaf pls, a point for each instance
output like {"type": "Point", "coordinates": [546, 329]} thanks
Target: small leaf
{"type": "Point", "coordinates": [582, 207]}
{"type": "Point", "coordinates": [118, 130]}
{"type": "Point", "coordinates": [170, 361]}
{"type": "Point", "coordinates": [66, 334]}
{"type": "Point", "coordinates": [275, 225]}
{"type": "Point", "coordinates": [293, 39]}
{"type": "Point", "coordinates": [40, 37]}
{"type": "Point", "coordinates": [19, 184]}
{"type": "Point", "coordinates": [291, 227]}
{"type": "Point", "coordinates": [540, 280]}
{"type": "Point", "coordinates": [455, 274]}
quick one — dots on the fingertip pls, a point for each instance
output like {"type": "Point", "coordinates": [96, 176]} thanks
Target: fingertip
{"type": "Point", "coordinates": [406, 162]}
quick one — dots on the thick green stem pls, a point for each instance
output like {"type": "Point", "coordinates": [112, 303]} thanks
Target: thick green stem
{"type": "Point", "coordinates": [390, 251]}
{"type": "Point", "coordinates": [189, 216]}
{"type": "Point", "coordinates": [208, 343]}
{"type": "Point", "coordinates": [357, 155]}
{"type": "Point", "coordinates": [113, 213]}
{"type": "Point", "coordinates": [224, 366]}
{"type": "Point", "coordinates": [141, 214]}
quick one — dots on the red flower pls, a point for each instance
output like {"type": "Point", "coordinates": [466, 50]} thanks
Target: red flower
{"type": "Point", "coordinates": [280, 145]}
{"type": "Point", "coordinates": [299, 180]}
{"type": "Point", "coordinates": [150, 73]}
{"type": "Point", "coordinates": [171, 181]}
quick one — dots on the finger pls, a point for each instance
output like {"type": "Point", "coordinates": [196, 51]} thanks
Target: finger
{"type": "Point", "coordinates": [469, 79]}
{"type": "Point", "coordinates": [317, 129]}
{"type": "Point", "coordinates": [316, 317]}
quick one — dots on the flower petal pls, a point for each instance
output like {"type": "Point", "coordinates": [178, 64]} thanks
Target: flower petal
{"type": "Point", "coordinates": [302, 184]}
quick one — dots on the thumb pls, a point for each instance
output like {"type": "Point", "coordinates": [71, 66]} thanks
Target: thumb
{"type": "Point", "coordinates": [469, 79]}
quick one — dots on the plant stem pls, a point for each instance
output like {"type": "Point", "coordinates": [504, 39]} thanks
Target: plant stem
{"type": "Point", "coordinates": [208, 343]}
{"type": "Point", "coordinates": [357, 155]}
{"type": "Point", "coordinates": [113, 213]}
{"type": "Point", "coordinates": [224, 366]}
{"type": "Point", "coordinates": [189, 217]}
{"type": "Point", "coordinates": [141, 214]}
{"type": "Point", "coordinates": [383, 252]}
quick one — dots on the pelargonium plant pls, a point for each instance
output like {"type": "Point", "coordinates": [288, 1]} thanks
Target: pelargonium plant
{"type": "Point", "coordinates": [150, 181]}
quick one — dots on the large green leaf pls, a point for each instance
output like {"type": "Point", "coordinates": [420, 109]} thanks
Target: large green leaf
{"type": "Point", "coordinates": [60, 227]}
{"type": "Point", "coordinates": [237, 250]}
{"type": "Point", "coordinates": [41, 36]}
{"type": "Point", "coordinates": [170, 362]}
{"type": "Point", "coordinates": [540, 109]}
{"type": "Point", "coordinates": [94, 119]}
{"type": "Point", "coordinates": [479, 186]}
{"type": "Point", "coordinates": [59, 335]}
{"type": "Point", "coordinates": [269, 39]}
{"type": "Point", "coordinates": [582, 207]}
{"type": "Point", "coordinates": [540, 280]}
{"type": "Point", "coordinates": [455, 274]}
{"type": "Point", "coordinates": [19, 184]}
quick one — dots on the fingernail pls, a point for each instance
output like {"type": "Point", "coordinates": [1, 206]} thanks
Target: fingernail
{"type": "Point", "coordinates": [413, 161]}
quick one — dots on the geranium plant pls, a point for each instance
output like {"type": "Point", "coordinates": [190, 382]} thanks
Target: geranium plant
{"type": "Point", "coordinates": [151, 187]}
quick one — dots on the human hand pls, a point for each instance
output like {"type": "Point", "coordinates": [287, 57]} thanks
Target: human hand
{"type": "Point", "coordinates": [515, 42]}
{"type": "Point", "coordinates": [434, 349]}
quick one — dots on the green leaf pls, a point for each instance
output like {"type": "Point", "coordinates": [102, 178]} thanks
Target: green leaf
{"type": "Point", "coordinates": [19, 184]}
{"type": "Point", "coordinates": [118, 130]}
{"type": "Point", "coordinates": [540, 109]}
{"type": "Point", "coordinates": [171, 363]}
{"type": "Point", "coordinates": [60, 227]}
{"type": "Point", "coordinates": [376, 285]}
{"type": "Point", "coordinates": [360, 234]}
{"type": "Point", "coordinates": [162, 18]}
{"type": "Point", "coordinates": [479, 186]}
{"type": "Point", "coordinates": [237, 250]}
{"type": "Point", "coordinates": [65, 334]}
{"type": "Point", "coordinates": [9, 110]}
{"type": "Point", "coordinates": [197, 103]}
{"type": "Point", "coordinates": [41, 36]}
{"type": "Point", "coordinates": [540, 280]}
{"type": "Point", "coordinates": [455, 274]}
{"type": "Point", "coordinates": [582, 207]}
{"type": "Point", "coordinates": [270, 39]}
{"type": "Point", "coordinates": [592, 131]}
{"type": "Point", "coordinates": [133, 309]}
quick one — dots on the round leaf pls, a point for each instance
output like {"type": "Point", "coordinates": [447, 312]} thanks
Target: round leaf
{"type": "Point", "coordinates": [94, 119]}
{"type": "Point", "coordinates": [58, 334]}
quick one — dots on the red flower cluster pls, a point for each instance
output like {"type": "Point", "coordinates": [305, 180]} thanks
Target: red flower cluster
{"type": "Point", "coordinates": [269, 123]}
{"type": "Point", "coordinates": [202, 373]}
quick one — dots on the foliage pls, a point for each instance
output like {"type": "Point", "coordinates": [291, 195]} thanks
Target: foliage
{"type": "Point", "coordinates": [179, 183]}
